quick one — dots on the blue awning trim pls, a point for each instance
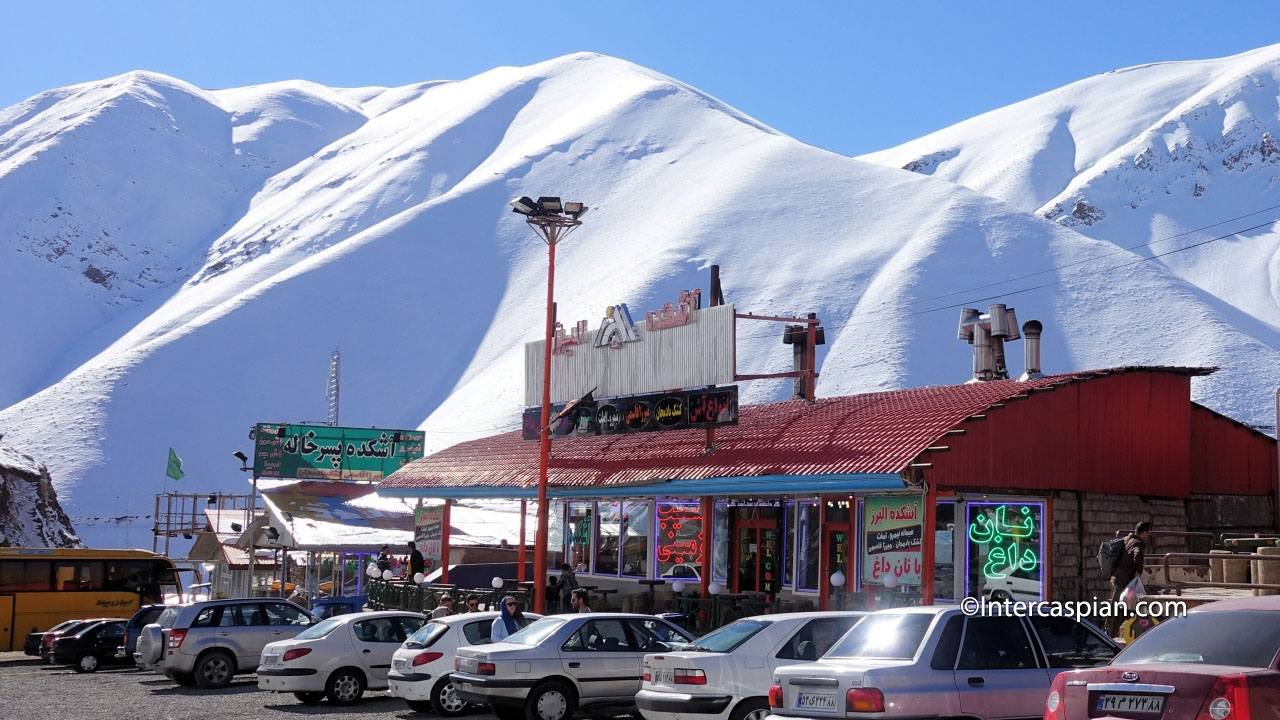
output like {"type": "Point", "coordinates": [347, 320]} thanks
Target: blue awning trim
{"type": "Point", "coordinates": [745, 485]}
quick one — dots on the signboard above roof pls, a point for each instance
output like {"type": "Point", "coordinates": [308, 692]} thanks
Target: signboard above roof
{"type": "Point", "coordinates": [702, 408]}
{"type": "Point", "coordinates": [322, 452]}
{"type": "Point", "coordinates": [681, 345]}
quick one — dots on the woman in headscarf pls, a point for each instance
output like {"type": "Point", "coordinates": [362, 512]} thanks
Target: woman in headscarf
{"type": "Point", "coordinates": [508, 622]}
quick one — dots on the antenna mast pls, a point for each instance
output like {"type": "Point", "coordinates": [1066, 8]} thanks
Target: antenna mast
{"type": "Point", "coordinates": [331, 388]}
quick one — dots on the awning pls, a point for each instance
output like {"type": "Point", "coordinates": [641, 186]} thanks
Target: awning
{"type": "Point", "coordinates": [726, 486]}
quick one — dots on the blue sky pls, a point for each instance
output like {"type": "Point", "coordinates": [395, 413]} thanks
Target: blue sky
{"type": "Point", "coordinates": [852, 77]}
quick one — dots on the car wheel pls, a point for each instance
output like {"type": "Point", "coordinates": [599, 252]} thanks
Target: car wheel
{"type": "Point", "coordinates": [345, 686]}
{"type": "Point", "coordinates": [751, 709]}
{"type": "Point", "coordinates": [309, 698]}
{"type": "Point", "coordinates": [183, 679]}
{"type": "Point", "coordinates": [552, 701]}
{"type": "Point", "coordinates": [214, 669]}
{"type": "Point", "coordinates": [507, 712]}
{"type": "Point", "coordinates": [87, 663]}
{"type": "Point", "coordinates": [444, 699]}
{"type": "Point", "coordinates": [422, 706]}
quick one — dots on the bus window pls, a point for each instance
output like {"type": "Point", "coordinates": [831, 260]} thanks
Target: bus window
{"type": "Point", "coordinates": [77, 575]}
{"type": "Point", "coordinates": [25, 576]}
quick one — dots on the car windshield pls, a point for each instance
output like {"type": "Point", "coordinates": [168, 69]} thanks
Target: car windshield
{"type": "Point", "coordinates": [1241, 638]}
{"type": "Point", "coordinates": [535, 632]}
{"type": "Point", "coordinates": [894, 636]}
{"type": "Point", "coordinates": [729, 637]}
{"type": "Point", "coordinates": [320, 629]}
{"type": "Point", "coordinates": [427, 635]}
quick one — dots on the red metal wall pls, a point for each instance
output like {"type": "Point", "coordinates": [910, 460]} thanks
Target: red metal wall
{"type": "Point", "coordinates": [1228, 458]}
{"type": "Point", "coordinates": [1125, 433]}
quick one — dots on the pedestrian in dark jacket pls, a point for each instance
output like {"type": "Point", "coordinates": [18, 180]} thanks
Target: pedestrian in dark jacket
{"type": "Point", "coordinates": [1132, 563]}
{"type": "Point", "coordinates": [417, 564]}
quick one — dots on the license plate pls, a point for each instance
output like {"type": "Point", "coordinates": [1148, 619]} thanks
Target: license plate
{"type": "Point", "coordinates": [399, 664]}
{"type": "Point", "coordinates": [270, 660]}
{"type": "Point", "coordinates": [666, 677]}
{"type": "Point", "coordinates": [1131, 703]}
{"type": "Point", "coordinates": [814, 701]}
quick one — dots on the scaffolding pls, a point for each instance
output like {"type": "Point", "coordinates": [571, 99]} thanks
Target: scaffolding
{"type": "Point", "coordinates": [182, 514]}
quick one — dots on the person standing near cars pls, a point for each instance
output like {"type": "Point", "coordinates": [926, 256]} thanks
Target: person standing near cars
{"type": "Point", "coordinates": [578, 601]}
{"type": "Point", "coordinates": [509, 622]}
{"type": "Point", "coordinates": [445, 608]}
{"type": "Point", "coordinates": [1132, 563]}
{"type": "Point", "coordinates": [567, 583]}
{"type": "Point", "coordinates": [417, 564]}
{"type": "Point", "coordinates": [384, 558]}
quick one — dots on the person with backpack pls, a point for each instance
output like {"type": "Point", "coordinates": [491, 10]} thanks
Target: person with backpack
{"type": "Point", "coordinates": [567, 583]}
{"type": "Point", "coordinates": [1127, 564]}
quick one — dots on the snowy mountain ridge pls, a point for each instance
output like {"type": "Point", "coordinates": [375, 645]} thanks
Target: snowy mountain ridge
{"type": "Point", "coordinates": [253, 230]}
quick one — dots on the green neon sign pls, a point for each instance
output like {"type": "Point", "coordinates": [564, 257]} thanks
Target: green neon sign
{"type": "Point", "coordinates": [1005, 530]}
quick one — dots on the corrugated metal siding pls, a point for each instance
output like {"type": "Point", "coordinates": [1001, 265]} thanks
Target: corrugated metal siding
{"type": "Point", "coordinates": [1229, 458]}
{"type": "Point", "coordinates": [1123, 433]}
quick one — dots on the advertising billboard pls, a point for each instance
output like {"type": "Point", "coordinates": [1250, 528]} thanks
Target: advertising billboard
{"type": "Point", "coordinates": [428, 533]}
{"type": "Point", "coordinates": [702, 408]}
{"type": "Point", "coordinates": [893, 539]}
{"type": "Point", "coordinates": [322, 452]}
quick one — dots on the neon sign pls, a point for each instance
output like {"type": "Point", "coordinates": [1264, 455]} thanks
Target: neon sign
{"type": "Point", "coordinates": [1008, 535]}
{"type": "Point", "coordinates": [674, 545]}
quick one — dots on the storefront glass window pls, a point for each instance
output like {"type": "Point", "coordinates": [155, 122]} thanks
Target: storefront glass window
{"type": "Point", "coordinates": [1004, 550]}
{"type": "Point", "coordinates": [808, 544]}
{"type": "Point", "coordinates": [788, 544]}
{"type": "Point", "coordinates": [608, 529]}
{"type": "Point", "coordinates": [944, 570]}
{"type": "Point", "coordinates": [635, 532]}
{"type": "Point", "coordinates": [720, 545]}
{"type": "Point", "coordinates": [679, 540]}
{"type": "Point", "coordinates": [555, 532]}
{"type": "Point", "coordinates": [580, 528]}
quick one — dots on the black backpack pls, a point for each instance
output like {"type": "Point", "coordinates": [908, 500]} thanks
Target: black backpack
{"type": "Point", "coordinates": [1109, 554]}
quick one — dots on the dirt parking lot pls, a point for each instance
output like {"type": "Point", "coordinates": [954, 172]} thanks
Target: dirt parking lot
{"type": "Point", "coordinates": [31, 691]}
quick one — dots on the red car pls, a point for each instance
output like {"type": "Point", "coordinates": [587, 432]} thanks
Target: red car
{"type": "Point", "coordinates": [1217, 663]}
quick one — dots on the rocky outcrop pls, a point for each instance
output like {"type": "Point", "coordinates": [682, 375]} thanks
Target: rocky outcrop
{"type": "Point", "coordinates": [30, 515]}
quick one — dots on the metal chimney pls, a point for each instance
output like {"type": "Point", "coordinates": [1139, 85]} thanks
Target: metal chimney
{"type": "Point", "coordinates": [1032, 330]}
{"type": "Point", "coordinates": [988, 334]}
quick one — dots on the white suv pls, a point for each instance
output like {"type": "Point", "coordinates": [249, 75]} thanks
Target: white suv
{"type": "Point", "coordinates": [207, 643]}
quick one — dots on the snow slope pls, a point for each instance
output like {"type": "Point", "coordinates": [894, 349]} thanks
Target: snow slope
{"type": "Point", "coordinates": [1157, 154]}
{"type": "Point", "coordinates": [376, 220]}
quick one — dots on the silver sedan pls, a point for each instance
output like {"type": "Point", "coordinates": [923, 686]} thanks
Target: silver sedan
{"type": "Point", "coordinates": [563, 662]}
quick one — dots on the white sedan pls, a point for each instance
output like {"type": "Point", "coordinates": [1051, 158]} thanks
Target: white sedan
{"type": "Point", "coordinates": [420, 669]}
{"type": "Point", "coordinates": [338, 658]}
{"type": "Point", "coordinates": [726, 674]}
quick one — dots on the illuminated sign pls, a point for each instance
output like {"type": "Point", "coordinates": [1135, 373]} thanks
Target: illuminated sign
{"type": "Point", "coordinates": [616, 328]}
{"type": "Point", "coordinates": [1004, 549]}
{"type": "Point", "coordinates": [769, 562]}
{"type": "Point", "coordinates": [675, 315]}
{"type": "Point", "coordinates": [894, 539]}
{"type": "Point", "coordinates": [675, 542]}
{"type": "Point", "coordinates": [707, 408]}
{"type": "Point", "coordinates": [562, 343]}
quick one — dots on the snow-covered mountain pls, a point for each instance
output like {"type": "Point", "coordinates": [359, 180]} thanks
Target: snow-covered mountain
{"type": "Point", "coordinates": [30, 515]}
{"type": "Point", "coordinates": [254, 230]}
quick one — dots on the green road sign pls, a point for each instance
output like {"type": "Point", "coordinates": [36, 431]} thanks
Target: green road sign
{"type": "Point", "coordinates": [321, 452]}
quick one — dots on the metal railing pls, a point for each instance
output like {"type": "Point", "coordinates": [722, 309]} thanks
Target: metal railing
{"type": "Point", "coordinates": [403, 595]}
{"type": "Point", "coordinates": [1177, 585]}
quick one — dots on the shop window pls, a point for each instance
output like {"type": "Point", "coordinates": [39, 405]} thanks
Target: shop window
{"type": "Point", "coordinates": [609, 528]}
{"type": "Point", "coordinates": [636, 526]}
{"type": "Point", "coordinates": [555, 533]}
{"type": "Point", "coordinates": [1004, 550]}
{"type": "Point", "coordinates": [944, 568]}
{"type": "Point", "coordinates": [789, 545]}
{"type": "Point", "coordinates": [808, 546]}
{"type": "Point", "coordinates": [679, 540]}
{"type": "Point", "coordinates": [579, 528]}
{"type": "Point", "coordinates": [720, 544]}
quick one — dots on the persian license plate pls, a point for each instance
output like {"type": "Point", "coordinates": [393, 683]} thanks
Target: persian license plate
{"type": "Point", "coordinates": [399, 663]}
{"type": "Point", "coordinates": [814, 701]}
{"type": "Point", "coordinates": [665, 677]}
{"type": "Point", "coordinates": [1131, 703]}
{"type": "Point", "coordinates": [270, 660]}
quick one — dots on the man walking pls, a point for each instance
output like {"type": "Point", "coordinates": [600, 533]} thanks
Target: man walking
{"type": "Point", "coordinates": [567, 583]}
{"type": "Point", "coordinates": [416, 562]}
{"type": "Point", "coordinates": [578, 601]}
{"type": "Point", "coordinates": [1131, 564]}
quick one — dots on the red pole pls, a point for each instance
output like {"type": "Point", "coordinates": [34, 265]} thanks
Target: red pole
{"type": "Point", "coordinates": [1046, 537]}
{"type": "Point", "coordinates": [544, 454]}
{"type": "Point", "coordinates": [708, 542]}
{"type": "Point", "coordinates": [929, 521]}
{"type": "Point", "coordinates": [444, 544]}
{"type": "Point", "coordinates": [520, 553]}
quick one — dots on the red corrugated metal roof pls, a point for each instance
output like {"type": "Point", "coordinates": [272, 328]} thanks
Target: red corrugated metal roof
{"type": "Point", "coordinates": [872, 433]}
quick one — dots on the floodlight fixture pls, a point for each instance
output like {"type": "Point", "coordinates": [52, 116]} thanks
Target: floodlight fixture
{"type": "Point", "coordinates": [550, 205]}
{"type": "Point", "coordinates": [213, 499]}
{"type": "Point", "coordinates": [524, 206]}
{"type": "Point", "coordinates": [244, 460]}
{"type": "Point", "coordinates": [575, 210]}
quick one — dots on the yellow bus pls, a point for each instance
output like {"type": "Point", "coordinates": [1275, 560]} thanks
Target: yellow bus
{"type": "Point", "coordinates": [41, 587]}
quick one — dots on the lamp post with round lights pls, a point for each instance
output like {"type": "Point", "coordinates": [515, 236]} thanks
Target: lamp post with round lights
{"type": "Point", "coordinates": [552, 220]}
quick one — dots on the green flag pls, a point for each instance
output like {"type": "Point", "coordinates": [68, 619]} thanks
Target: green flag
{"type": "Point", "coordinates": [175, 465]}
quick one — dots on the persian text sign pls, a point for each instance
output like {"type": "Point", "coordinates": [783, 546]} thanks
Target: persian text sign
{"type": "Point", "coordinates": [893, 539]}
{"type": "Point", "coordinates": [321, 452]}
{"type": "Point", "coordinates": [428, 532]}
{"type": "Point", "coordinates": [705, 408]}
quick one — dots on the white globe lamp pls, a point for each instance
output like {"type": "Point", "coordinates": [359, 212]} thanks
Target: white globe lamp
{"type": "Point", "coordinates": [496, 582]}
{"type": "Point", "coordinates": [371, 570]}
{"type": "Point", "coordinates": [837, 579]}
{"type": "Point", "coordinates": [891, 581]}
{"type": "Point", "coordinates": [678, 586]}
{"type": "Point", "coordinates": [714, 588]}
{"type": "Point", "coordinates": [419, 578]}
{"type": "Point", "coordinates": [387, 575]}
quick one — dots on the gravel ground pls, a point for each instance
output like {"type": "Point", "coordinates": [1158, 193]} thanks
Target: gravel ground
{"type": "Point", "coordinates": [31, 691]}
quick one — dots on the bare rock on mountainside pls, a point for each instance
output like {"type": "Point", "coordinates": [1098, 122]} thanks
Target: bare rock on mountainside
{"type": "Point", "coordinates": [30, 515]}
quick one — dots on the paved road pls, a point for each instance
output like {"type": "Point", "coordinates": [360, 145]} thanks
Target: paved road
{"type": "Point", "coordinates": [31, 691]}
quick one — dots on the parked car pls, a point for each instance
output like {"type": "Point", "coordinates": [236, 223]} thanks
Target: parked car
{"type": "Point", "coordinates": [1219, 661]}
{"type": "Point", "coordinates": [146, 615]}
{"type": "Point", "coordinates": [421, 667]}
{"type": "Point", "coordinates": [92, 646]}
{"type": "Point", "coordinates": [75, 626]}
{"type": "Point", "coordinates": [338, 658]}
{"type": "Point", "coordinates": [207, 643]}
{"type": "Point", "coordinates": [726, 674]}
{"type": "Point", "coordinates": [564, 662]}
{"type": "Point", "coordinates": [331, 606]}
{"type": "Point", "coordinates": [935, 661]}
{"type": "Point", "coordinates": [31, 645]}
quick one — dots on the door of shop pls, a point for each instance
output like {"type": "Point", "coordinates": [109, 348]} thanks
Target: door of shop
{"type": "Point", "coordinates": [757, 552]}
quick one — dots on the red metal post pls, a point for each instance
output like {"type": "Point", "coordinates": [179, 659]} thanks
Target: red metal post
{"type": "Point", "coordinates": [1046, 557]}
{"type": "Point", "coordinates": [520, 553]}
{"type": "Point", "coordinates": [930, 521]}
{"type": "Point", "coordinates": [444, 544]}
{"type": "Point", "coordinates": [824, 577]}
{"type": "Point", "coordinates": [544, 454]}
{"type": "Point", "coordinates": [708, 542]}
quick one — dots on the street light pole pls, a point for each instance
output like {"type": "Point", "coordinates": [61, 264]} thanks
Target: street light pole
{"type": "Point", "coordinates": [553, 221]}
